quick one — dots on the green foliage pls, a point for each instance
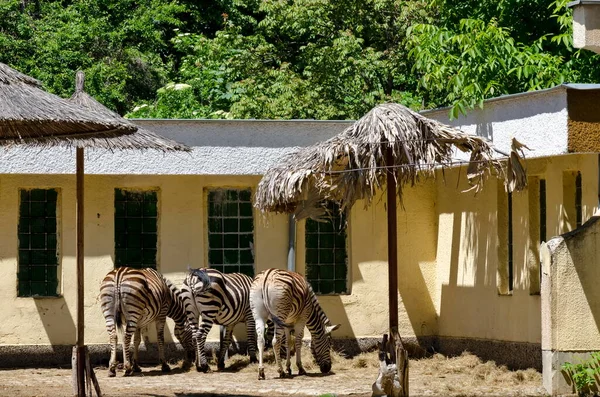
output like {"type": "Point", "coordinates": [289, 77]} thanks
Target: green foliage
{"type": "Point", "coordinates": [275, 59]}
{"type": "Point", "coordinates": [306, 59]}
{"type": "Point", "coordinates": [584, 375]}
{"type": "Point", "coordinates": [463, 65]}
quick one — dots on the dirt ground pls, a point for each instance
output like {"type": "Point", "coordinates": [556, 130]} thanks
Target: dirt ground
{"type": "Point", "coordinates": [436, 376]}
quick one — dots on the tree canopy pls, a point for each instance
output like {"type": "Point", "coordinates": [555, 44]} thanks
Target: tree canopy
{"type": "Point", "coordinates": [275, 59]}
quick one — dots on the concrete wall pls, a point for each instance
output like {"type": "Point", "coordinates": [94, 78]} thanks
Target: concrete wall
{"type": "Point", "coordinates": [570, 302]}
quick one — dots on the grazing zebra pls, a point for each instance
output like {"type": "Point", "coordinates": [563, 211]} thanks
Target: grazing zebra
{"type": "Point", "coordinates": [134, 298]}
{"type": "Point", "coordinates": [222, 299]}
{"type": "Point", "coordinates": [286, 298]}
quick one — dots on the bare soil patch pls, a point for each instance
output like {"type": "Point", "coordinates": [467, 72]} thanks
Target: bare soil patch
{"type": "Point", "coordinates": [466, 375]}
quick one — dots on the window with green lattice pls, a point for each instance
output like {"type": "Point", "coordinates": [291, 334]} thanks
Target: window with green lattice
{"type": "Point", "coordinates": [136, 228]}
{"type": "Point", "coordinates": [230, 230]}
{"type": "Point", "coordinates": [326, 256]}
{"type": "Point", "coordinates": [38, 243]}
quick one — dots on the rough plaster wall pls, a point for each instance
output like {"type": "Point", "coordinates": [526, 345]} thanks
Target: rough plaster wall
{"type": "Point", "coordinates": [537, 119]}
{"type": "Point", "coordinates": [574, 274]}
{"type": "Point", "coordinates": [584, 121]}
{"type": "Point", "coordinates": [221, 147]}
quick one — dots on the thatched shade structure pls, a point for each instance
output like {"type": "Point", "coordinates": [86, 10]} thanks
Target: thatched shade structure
{"type": "Point", "coordinates": [140, 139]}
{"type": "Point", "coordinates": [29, 115]}
{"type": "Point", "coordinates": [355, 163]}
{"type": "Point", "coordinates": [33, 117]}
{"type": "Point", "coordinates": [393, 146]}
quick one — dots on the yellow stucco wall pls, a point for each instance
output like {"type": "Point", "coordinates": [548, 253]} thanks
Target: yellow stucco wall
{"type": "Point", "coordinates": [448, 249]}
{"type": "Point", "coordinates": [468, 296]}
{"type": "Point", "coordinates": [182, 213]}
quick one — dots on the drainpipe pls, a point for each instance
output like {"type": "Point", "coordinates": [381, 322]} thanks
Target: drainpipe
{"type": "Point", "coordinates": [291, 262]}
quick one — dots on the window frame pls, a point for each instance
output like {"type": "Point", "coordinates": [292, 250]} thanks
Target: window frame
{"type": "Point", "coordinates": [347, 264]}
{"type": "Point", "coordinates": [57, 233]}
{"type": "Point", "coordinates": [208, 233]}
{"type": "Point", "coordinates": [137, 190]}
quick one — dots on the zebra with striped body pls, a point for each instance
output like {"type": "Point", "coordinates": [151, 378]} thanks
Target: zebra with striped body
{"type": "Point", "coordinates": [288, 299]}
{"type": "Point", "coordinates": [222, 299]}
{"type": "Point", "coordinates": [132, 298]}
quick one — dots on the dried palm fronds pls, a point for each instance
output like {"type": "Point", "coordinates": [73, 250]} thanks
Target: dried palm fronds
{"type": "Point", "coordinates": [352, 165]}
{"type": "Point", "coordinates": [139, 139]}
{"type": "Point", "coordinates": [29, 115]}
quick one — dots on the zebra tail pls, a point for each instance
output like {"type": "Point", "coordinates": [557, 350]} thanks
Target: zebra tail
{"type": "Point", "coordinates": [117, 306]}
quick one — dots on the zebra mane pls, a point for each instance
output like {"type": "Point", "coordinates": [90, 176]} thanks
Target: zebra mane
{"type": "Point", "coordinates": [201, 274]}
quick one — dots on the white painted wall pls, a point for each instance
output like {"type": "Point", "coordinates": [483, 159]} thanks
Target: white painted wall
{"type": "Point", "coordinates": [537, 119]}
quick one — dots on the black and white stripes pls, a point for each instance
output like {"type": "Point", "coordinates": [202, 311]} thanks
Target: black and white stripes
{"type": "Point", "coordinates": [222, 299]}
{"type": "Point", "coordinates": [132, 298]}
{"type": "Point", "coordinates": [288, 299]}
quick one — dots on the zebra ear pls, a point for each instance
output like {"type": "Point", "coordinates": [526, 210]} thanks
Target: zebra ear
{"type": "Point", "coordinates": [330, 328]}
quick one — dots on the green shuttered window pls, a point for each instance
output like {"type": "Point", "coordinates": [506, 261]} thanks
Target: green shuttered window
{"type": "Point", "coordinates": [136, 228]}
{"type": "Point", "coordinates": [38, 243]}
{"type": "Point", "coordinates": [230, 230]}
{"type": "Point", "coordinates": [326, 257]}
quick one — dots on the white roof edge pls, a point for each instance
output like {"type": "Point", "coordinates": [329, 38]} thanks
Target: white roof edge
{"type": "Point", "coordinates": [564, 86]}
{"type": "Point", "coordinates": [219, 121]}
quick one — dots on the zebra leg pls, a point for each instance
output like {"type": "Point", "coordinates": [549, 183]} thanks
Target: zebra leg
{"type": "Point", "coordinates": [112, 364]}
{"type": "Point", "coordinates": [287, 344]}
{"type": "Point", "coordinates": [279, 332]}
{"type": "Point", "coordinates": [205, 326]}
{"type": "Point", "coordinates": [130, 329]}
{"type": "Point", "coordinates": [251, 336]}
{"type": "Point", "coordinates": [299, 331]}
{"type": "Point", "coordinates": [224, 347]}
{"type": "Point", "coordinates": [137, 338]}
{"type": "Point", "coordinates": [160, 335]}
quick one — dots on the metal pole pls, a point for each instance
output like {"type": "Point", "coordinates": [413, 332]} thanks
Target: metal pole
{"type": "Point", "coordinates": [392, 242]}
{"type": "Point", "coordinates": [80, 276]}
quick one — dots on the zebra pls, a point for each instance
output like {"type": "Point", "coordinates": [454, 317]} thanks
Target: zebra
{"type": "Point", "coordinates": [288, 299]}
{"type": "Point", "coordinates": [134, 298]}
{"type": "Point", "coordinates": [222, 299]}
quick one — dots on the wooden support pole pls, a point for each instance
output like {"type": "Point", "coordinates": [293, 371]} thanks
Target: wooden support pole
{"type": "Point", "coordinates": [79, 253]}
{"type": "Point", "coordinates": [392, 241]}
{"type": "Point", "coordinates": [83, 373]}
{"type": "Point", "coordinates": [398, 354]}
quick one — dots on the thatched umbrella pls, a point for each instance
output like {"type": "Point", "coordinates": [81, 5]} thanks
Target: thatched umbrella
{"type": "Point", "coordinates": [391, 145]}
{"type": "Point", "coordinates": [30, 116]}
{"type": "Point", "coordinates": [139, 139]}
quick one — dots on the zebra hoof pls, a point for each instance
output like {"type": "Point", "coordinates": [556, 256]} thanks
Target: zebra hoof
{"type": "Point", "coordinates": [203, 368]}
{"type": "Point", "coordinates": [301, 371]}
{"type": "Point", "coordinates": [186, 365]}
{"type": "Point", "coordinates": [261, 374]}
{"type": "Point", "coordinates": [283, 375]}
{"type": "Point", "coordinates": [221, 366]}
{"type": "Point", "coordinates": [288, 372]}
{"type": "Point", "coordinates": [137, 369]}
{"type": "Point", "coordinates": [165, 368]}
{"type": "Point", "coordinates": [112, 373]}
{"type": "Point", "coordinates": [128, 372]}
{"type": "Point", "coordinates": [253, 360]}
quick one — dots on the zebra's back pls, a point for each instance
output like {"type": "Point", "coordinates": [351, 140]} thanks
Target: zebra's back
{"type": "Point", "coordinates": [286, 295]}
{"type": "Point", "coordinates": [226, 299]}
{"type": "Point", "coordinates": [127, 293]}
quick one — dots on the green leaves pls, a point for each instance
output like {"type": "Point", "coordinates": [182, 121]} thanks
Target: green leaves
{"type": "Point", "coordinates": [479, 60]}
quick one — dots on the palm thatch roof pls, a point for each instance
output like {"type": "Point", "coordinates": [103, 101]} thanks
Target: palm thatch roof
{"type": "Point", "coordinates": [353, 165]}
{"type": "Point", "coordinates": [139, 139]}
{"type": "Point", "coordinates": [30, 115]}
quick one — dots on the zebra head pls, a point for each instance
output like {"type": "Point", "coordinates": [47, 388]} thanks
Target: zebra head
{"type": "Point", "coordinates": [320, 346]}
